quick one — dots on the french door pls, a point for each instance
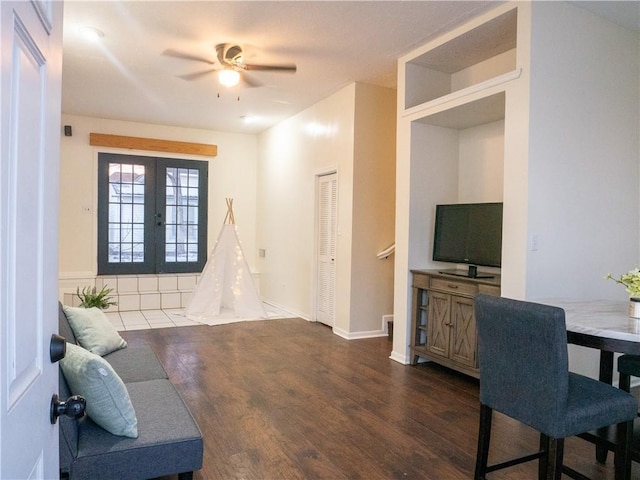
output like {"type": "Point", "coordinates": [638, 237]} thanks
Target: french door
{"type": "Point", "coordinates": [152, 214]}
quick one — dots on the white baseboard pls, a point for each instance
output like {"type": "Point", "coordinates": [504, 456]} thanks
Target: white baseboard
{"type": "Point", "coordinates": [400, 358]}
{"type": "Point", "coordinates": [288, 311]}
{"type": "Point", "coordinates": [358, 335]}
{"type": "Point", "coordinates": [385, 322]}
{"type": "Point", "coordinates": [341, 333]}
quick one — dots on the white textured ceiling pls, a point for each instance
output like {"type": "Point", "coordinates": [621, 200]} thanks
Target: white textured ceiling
{"type": "Point", "coordinates": [125, 76]}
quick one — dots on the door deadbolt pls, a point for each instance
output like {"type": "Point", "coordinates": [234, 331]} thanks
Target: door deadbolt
{"type": "Point", "coordinates": [57, 348]}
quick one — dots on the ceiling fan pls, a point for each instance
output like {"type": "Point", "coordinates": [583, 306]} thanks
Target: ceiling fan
{"type": "Point", "coordinates": [230, 66]}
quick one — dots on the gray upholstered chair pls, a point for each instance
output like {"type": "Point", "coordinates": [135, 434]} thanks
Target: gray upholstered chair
{"type": "Point", "coordinates": [524, 375]}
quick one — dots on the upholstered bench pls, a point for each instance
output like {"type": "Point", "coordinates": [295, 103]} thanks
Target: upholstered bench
{"type": "Point", "coordinates": [168, 439]}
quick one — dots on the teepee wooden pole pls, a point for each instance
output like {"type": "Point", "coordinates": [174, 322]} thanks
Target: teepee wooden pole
{"type": "Point", "coordinates": [229, 218]}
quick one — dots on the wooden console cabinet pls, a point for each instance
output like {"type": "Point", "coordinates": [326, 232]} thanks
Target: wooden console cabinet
{"type": "Point", "coordinates": [443, 326]}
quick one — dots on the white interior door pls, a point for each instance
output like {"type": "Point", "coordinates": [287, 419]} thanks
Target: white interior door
{"type": "Point", "coordinates": [31, 54]}
{"type": "Point", "coordinates": [327, 205]}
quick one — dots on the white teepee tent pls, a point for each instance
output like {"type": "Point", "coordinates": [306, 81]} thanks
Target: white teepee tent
{"type": "Point", "coordinates": [225, 292]}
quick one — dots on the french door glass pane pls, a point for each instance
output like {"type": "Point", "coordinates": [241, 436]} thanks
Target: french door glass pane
{"type": "Point", "coordinates": [182, 191]}
{"type": "Point", "coordinates": [171, 215]}
{"type": "Point", "coordinates": [114, 214]}
{"type": "Point", "coordinates": [126, 213]}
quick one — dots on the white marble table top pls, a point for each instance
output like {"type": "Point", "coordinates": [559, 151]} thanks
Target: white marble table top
{"type": "Point", "coordinates": [600, 318]}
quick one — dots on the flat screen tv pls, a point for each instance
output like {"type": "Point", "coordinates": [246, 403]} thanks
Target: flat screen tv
{"type": "Point", "coordinates": [469, 233]}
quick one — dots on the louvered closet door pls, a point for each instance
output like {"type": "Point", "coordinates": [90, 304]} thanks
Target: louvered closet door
{"type": "Point", "coordinates": [327, 221]}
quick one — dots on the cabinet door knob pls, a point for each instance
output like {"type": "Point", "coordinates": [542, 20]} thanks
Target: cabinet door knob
{"type": "Point", "coordinates": [450, 285]}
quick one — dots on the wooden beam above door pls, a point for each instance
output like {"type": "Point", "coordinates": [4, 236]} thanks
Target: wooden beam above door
{"type": "Point", "coordinates": [152, 144]}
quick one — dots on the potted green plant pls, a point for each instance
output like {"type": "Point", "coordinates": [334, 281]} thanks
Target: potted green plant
{"type": "Point", "coordinates": [631, 282]}
{"type": "Point", "coordinates": [91, 297]}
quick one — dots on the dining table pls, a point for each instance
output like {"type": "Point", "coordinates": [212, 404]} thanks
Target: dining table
{"type": "Point", "coordinates": [604, 325]}
{"type": "Point", "coordinates": [601, 324]}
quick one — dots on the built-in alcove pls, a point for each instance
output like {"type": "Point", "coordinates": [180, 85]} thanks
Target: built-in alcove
{"type": "Point", "coordinates": [551, 164]}
{"type": "Point", "coordinates": [484, 110]}
{"type": "Point", "coordinates": [463, 147]}
{"type": "Point", "coordinates": [479, 55]}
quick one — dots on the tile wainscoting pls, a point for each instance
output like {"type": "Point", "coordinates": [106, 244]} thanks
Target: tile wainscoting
{"type": "Point", "coordinates": [135, 292]}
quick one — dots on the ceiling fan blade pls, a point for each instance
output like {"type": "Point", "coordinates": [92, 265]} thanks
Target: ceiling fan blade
{"type": "Point", "coordinates": [196, 75]}
{"type": "Point", "coordinates": [248, 81]}
{"type": "Point", "coordinates": [273, 68]}
{"type": "Point", "coordinates": [187, 56]}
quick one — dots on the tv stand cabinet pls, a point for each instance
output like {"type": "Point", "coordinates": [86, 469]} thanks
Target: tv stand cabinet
{"type": "Point", "coordinates": [443, 325]}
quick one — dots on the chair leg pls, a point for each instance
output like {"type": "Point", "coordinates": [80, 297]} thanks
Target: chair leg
{"type": "Point", "coordinates": [622, 458]}
{"type": "Point", "coordinates": [543, 462]}
{"type": "Point", "coordinates": [484, 439]}
{"type": "Point", "coordinates": [553, 455]}
{"type": "Point", "coordinates": [625, 382]}
{"type": "Point", "coordinates": [185, 476]}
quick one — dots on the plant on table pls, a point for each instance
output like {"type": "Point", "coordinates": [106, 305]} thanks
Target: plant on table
{"type": "Point", "coordinates": [631, 282]}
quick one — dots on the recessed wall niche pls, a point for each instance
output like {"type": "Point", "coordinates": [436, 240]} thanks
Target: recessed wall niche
{"type": "Point", "coordinates": [479, 55]}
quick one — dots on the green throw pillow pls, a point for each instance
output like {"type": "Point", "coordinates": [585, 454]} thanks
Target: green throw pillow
{"type": "Point", "coordinates": [108, 402]}
{"type": "Point", "coordinates": [93, 330]}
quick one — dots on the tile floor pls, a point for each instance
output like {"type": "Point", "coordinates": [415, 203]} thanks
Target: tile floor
{"type": "Point", "coordinates": [145, 319]}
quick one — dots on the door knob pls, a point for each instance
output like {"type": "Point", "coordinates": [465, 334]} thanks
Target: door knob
{"type": "Point", "coordinates": [57, 348]}
{"type": "Point", "coordinates": [74, 407]}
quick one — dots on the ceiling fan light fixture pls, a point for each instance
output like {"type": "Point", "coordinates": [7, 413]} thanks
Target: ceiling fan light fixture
{"type": "Point", "coordinates": [228, 77]}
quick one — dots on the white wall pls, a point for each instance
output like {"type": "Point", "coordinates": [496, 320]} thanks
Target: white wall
{"type": "Point", "coordinates": [317, 140]}
{"type": "Point", "coordinates": [231, 174]}
{"type": "Point", "coordinates": [583, 159]}
{"type": "Point", "coordinates": [481, 163]}
{"type": "Point", "coordinates": [373, 207]}
{"type": "Point", "coordinates": [351, 132]}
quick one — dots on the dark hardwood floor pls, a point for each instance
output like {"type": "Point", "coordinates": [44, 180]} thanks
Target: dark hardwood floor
{"type": "Point", "coordinates": [288, 399]}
